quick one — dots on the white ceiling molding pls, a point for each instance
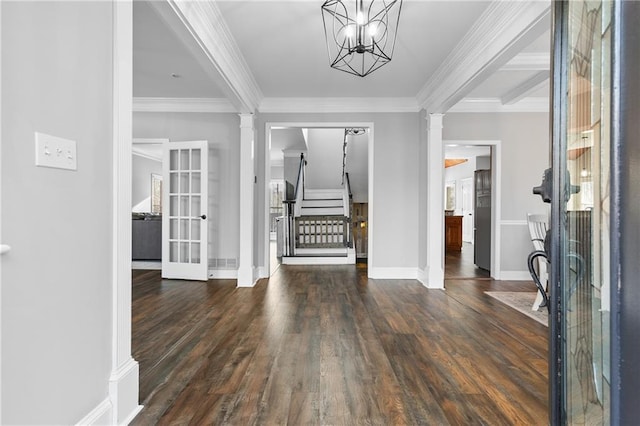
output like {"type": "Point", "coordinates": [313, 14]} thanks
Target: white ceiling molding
{"type": "Point", "coordinates": [523, 90]}
{"type": "Point", "coordinates": [496, 105]}
{"type": "Point", "coordinates": [216, 105]}
{"type": "Point", "coordinates": [503, 30]}
{"type": "Point", "coordinates": [342, 105]}
{"type": "Point", "coordinates": [529, 62]}
{"type": "Point", "coordinates": [204, 21]}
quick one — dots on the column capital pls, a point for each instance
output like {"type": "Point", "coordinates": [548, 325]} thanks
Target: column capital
{"type": "Point", "coordinates": [434, 120]}
{"type": "Point", "coordinates": [246, 121]}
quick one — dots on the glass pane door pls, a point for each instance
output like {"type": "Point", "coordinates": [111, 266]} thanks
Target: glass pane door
{"type": "Point", "coordinates": [184, 232]}
{"type": "Point", "coordinates": [584, 214]}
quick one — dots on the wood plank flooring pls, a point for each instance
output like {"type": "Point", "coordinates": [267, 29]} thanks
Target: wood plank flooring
{"type": "Point", "coordinates": [325, 345]}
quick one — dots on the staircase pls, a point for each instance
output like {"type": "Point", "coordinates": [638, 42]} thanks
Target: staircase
{"type": "Point", "coordinates": [318, 227]}
{"type": "Point", "coordinates": [321, 231]}
{"type": "Point", "coordinates": [322, 202]}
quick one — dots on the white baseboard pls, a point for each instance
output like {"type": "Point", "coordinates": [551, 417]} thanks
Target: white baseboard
{"type": "Point", "coordinates": [346, 260]}
{"type": "Point", "coordinates": [223, 274]}
{"type": "Point", "coordinates": [515, 276]}
{"type": "Point", "coordinates": [101, 415]}
{"type": "Point", "coordinates": [132, 415]}
{"type": "Point", "coordinates": [261, 272]}
{"type": "Point", "coordinates": [393, 273]}
{"type": "Point", "coordinates": [123, 393]}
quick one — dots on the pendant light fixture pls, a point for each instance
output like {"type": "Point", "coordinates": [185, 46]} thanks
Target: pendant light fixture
{"type": "Point", "coordinates": [360, 34]}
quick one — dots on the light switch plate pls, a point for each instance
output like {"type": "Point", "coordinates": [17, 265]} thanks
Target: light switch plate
{"type": "Point", "coordinates": [52, 151]}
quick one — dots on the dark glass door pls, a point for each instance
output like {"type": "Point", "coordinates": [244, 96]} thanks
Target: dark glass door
{"type": "Point", "coordinates": [581, 214]}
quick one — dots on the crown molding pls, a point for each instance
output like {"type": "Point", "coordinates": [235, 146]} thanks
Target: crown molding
{"type": "Point", "coordinates": [206, 24]}
{"type": "Point", "coordinates": [496, 37]}
{"type": "Point", "coordinates": [215, 105]}
{"type": "Point", "coordinates": [341, 105]}
{"type": "Point", "coordinates": [496, 105]}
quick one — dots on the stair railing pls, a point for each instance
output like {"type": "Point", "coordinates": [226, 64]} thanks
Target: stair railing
{"type": "Point", "coordinates": [299, 193]}
{"type": "Point", "coordinates": [293, 210]}
{"type": "Point", "coordinates": [347, 198]}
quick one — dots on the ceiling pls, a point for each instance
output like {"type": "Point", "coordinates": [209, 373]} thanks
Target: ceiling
{"type": "Point", "coordinates": [281, 45]}
{"type": "Point", "coordinates": [466, 151]}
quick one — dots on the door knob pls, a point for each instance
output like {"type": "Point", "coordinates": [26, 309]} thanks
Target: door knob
{"type": "Point", "coordinates": [204, 216]}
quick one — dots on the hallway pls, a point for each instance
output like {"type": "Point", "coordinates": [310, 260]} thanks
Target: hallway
{"type": "Point", "coordinates": [325, 345]}
{"type": "Point", "coordinates": [460, 265]}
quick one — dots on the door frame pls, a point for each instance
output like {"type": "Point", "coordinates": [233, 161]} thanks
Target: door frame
{"type": "Point", "coordinates": [124, 378]}
{"type": "Point", "coordinates": [0, 211]}
{"type": "Point", "coordinates": [267, 178]}
{"type": "Point", "coordinates": [435, 170]}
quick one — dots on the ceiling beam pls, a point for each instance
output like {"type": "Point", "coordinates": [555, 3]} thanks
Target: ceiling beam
{"type": "Point", "coordinates": [529, 62]}
{"type": "Point", "coordinates": [524, 89]}
{"type": "Point", "coordinates": [201, 27]}
{"type": "Point", "coordinates": [501, 32]}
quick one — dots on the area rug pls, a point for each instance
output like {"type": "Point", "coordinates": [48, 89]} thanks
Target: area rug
{"type": "Point", "coordinates": [521, 301]}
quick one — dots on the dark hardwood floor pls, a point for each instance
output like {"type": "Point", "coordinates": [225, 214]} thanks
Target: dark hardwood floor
{"type": "Point", "coordinates": [326, 345]}
{"type": "Point", "coordinates": [460, 265]}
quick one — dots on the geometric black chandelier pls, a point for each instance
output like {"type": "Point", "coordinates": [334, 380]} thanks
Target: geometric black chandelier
{"type": "Point", "coordinates": [360, 34]}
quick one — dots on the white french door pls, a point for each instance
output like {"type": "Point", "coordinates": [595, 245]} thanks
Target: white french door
{"type": "Point", "coordinates": [184, 211]}
{"type": "Point", "coordinates": [467, 210]}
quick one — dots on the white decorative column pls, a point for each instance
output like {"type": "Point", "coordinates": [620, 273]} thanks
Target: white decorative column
{"type": "Point", "coordinates": [247, 184]}
{"type": "Point", "coordinates": [123, 382]}
{"type": "Point", "coordinates": [435, 204]}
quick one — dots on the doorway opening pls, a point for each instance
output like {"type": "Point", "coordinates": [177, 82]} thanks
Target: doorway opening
{"type": "Point", "coordinates": [471, 195]}
{"type": "Point", "coordinates": [326, 170]}
{"type": "Point", "coordinates": [146, 203]}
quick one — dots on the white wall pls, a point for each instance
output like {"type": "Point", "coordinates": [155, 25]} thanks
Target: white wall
{"type": "Point", "coordinates": [56, 296]}
{"type": "Point", "coordinates": [277, 172]}
{"type": "Point", "coordinates": [222, 131]}
{"type": "Point", "coordinates": [324, 159]}
{"type": "Point", "coordinates": [290, 171]}
{"type": "Point", "coordinates": [395, 200]}
{"type": "Point", "coordinates": [141, 171]}
{"type": "Point", "coordinates": [358, 166]}
{"type": "Point", "coordinates": [483, 162]}
{"type": "Point", "coordinates": [525, 154]}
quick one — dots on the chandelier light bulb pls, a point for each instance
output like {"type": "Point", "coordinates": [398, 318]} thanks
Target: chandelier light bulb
{"type": "Point", "coordinates": [349, 32]}
{"type": "Point", "coordinates": [372, 30]}
{"type": "Point", "coordinates": [360, 18]}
